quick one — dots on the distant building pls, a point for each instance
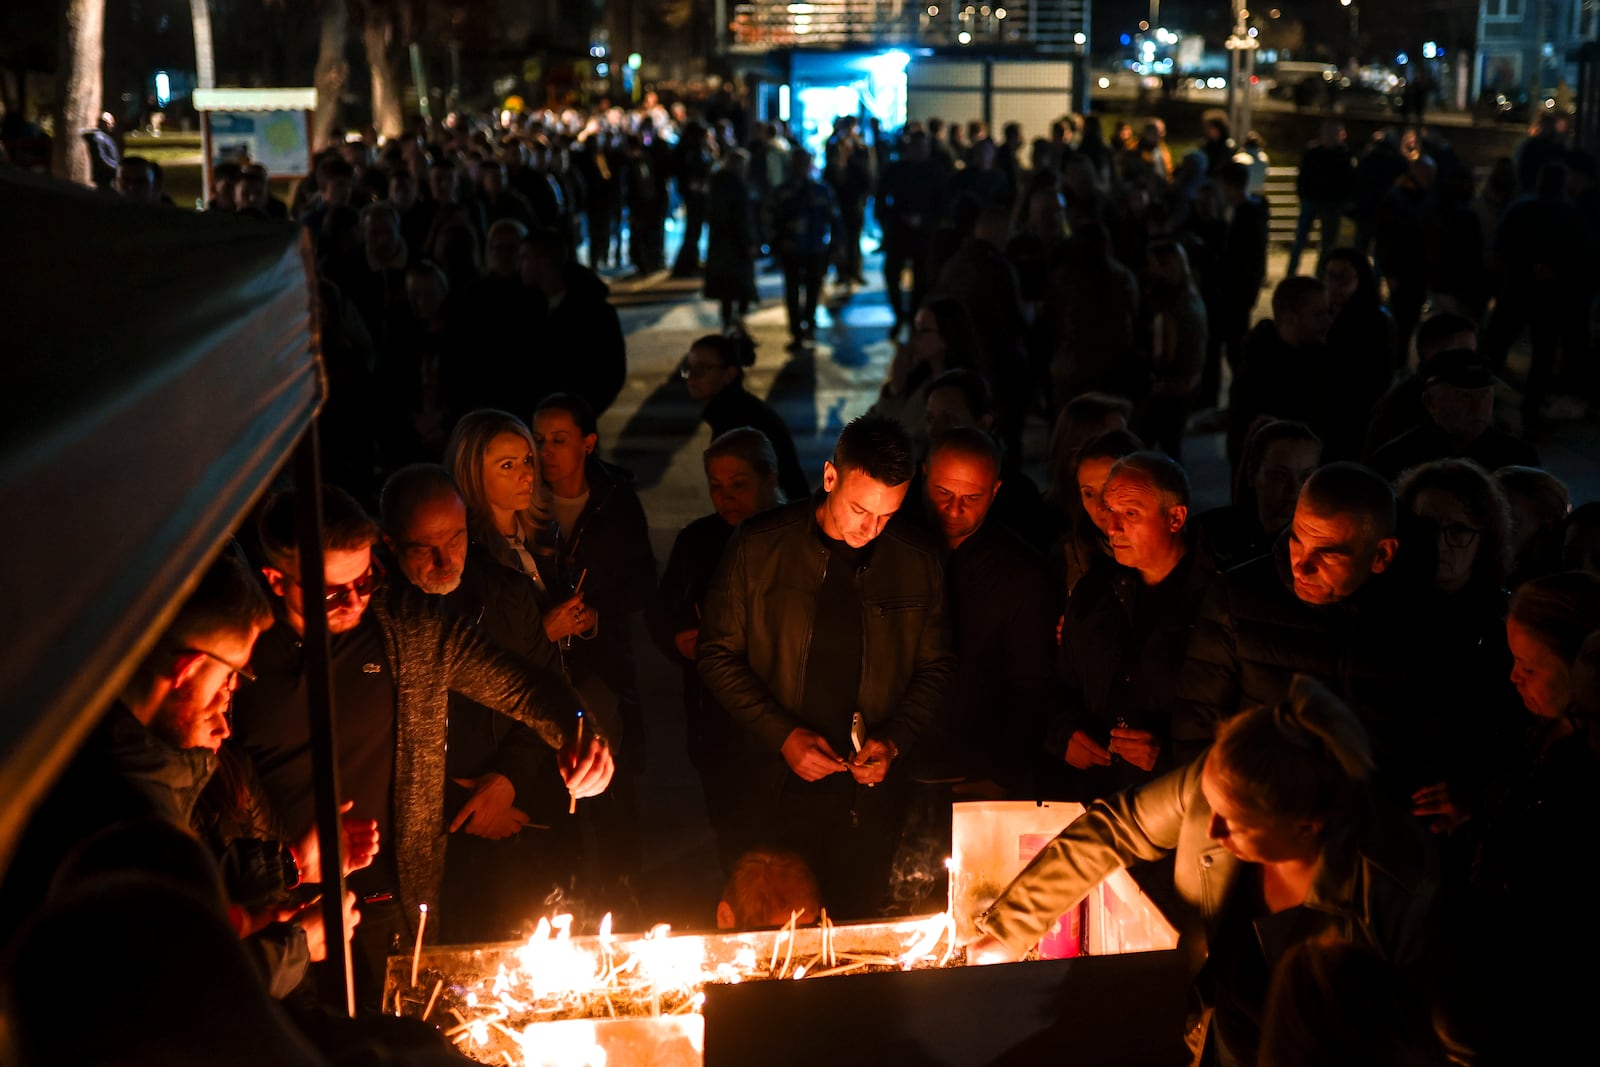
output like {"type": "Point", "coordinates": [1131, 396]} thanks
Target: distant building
{"type": "Point", "coordinates": [1530, 45]}
{"type": "Point", "coordinates": [806, 62]}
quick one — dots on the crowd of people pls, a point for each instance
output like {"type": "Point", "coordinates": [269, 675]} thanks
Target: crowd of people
{"type": "Point", "coordinates": [1353, 709]}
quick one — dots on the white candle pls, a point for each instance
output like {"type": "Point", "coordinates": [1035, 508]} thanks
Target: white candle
{"type": "Point", "coordinates": [416, 953]}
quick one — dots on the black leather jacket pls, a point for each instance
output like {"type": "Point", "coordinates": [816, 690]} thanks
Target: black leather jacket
{"type": "Point", "coordinates": [758, 619]}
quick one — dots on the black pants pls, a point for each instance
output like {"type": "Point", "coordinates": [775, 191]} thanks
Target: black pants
{"type": "Point", "coordinates": [848, 833]}
{"type": "Point", "coordinates": [802, 287]}
{"type": "Point", "coordinates": [898, 254]}
{"type": "Point", "coordinates": [694, 222]}
{"type": "Point", "coordinates": [847, 243]}
{"type": "Point", "coordinates": [599, 238]}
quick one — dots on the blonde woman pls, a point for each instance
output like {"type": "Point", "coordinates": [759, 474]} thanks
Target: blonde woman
{"type": "Point", "coordinates": [495, 464]}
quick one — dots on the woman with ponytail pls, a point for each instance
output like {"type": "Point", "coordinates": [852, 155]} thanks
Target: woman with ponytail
{"type": "Point", "coordinates": [1276, 838]}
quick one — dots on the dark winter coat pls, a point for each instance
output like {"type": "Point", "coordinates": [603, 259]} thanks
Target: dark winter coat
{"type": "Point", "coordinates": [1123, 648]}
{"type": "Point", "coordinates": [1376, 650]}
{"type": "Point", "coordinates": [731, 240]}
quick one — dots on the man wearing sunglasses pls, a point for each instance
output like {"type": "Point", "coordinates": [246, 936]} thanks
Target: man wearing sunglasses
{"type": "Point", "coordinates": [396, 658]}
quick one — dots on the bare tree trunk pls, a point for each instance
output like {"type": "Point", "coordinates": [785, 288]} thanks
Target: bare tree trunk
{"type": "Point", "coordinates": [205, 55]}
{"type": "Point", "coordinates": [79, 85]}
{"type": "Point", "coordinates": [332, 71]}
{"type": "Point", "coordinates": [383, 56]}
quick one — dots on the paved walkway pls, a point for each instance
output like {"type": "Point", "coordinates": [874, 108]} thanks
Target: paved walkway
{"type": "Point", "coordinates": [654, 429]}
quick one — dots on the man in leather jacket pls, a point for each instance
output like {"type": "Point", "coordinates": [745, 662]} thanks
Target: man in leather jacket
{"type": "Point", "coordinates": [825, 637]}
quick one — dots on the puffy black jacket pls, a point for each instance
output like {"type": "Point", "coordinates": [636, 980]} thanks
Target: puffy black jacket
{"type": "Point", "coordinates": [1003, 611]}
{"type": "Point", "coordinates": [1376, 650]}
{"type": "Point", "coordinates": [1123, 647]}
{"type": "Point", "coordinates": [757, 627]}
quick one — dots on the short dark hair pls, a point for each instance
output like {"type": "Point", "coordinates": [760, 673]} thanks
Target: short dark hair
{"type": "Point", "coordinates": [227, 599]}
{"type": "Point", "coordinates": [968, 441]}
{"type": "Point", "coordinates": [1265, 432]}
{"type": "Point", "coordinates": [878, 447]}
{"type": "Point", "coordinates": [1095, 405]}
{"type": "Point", "coordinates": [1161, 471]}
{"type": "Point", "coordinates": [346, 526]}
{"type": "Point", "coordinates": [1109, 444]}
{"type": "Point", "coordinates": [1233, 173]}
{"type": "Point", "coordinates": [1484, 502]}
{"type": "Point", "coordinates": [1346, 488]}
{"type": "Point", "coordinates": [332, 167]}
{"type": "Point", "coordinates": [408, 489]}
{"type": "Point", "coordinates": [736, 350]}
{"type": "Point", "coordinates": [582, 413]}
{"type": "Point", "coordinates": [1549, 494]}
{"type": "Point", "coordinates": [1561, 610]}
{"type": "Point", "coordinates": [548, 242]}
{"type": "Point", "coordinates": [748, 444]}
{"type": "Point", "coordinates": [974, 389]}
{"type": "Point", "coordinates": [1292, 293]}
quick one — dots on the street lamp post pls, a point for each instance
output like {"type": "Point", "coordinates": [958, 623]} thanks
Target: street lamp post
{"type": "Point", "coordinates": [1355, 27]}
{"type": "Point", "coordinates": [1241, 66]}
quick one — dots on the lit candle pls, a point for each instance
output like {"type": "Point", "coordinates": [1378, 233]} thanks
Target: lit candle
{"type": "Point", "coordinates": [416, 953]}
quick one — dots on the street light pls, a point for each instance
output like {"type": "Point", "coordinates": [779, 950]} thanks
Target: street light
{"type": "Point", "coordinates": [1355, 27]}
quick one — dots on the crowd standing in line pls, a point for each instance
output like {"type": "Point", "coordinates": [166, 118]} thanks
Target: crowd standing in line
{"type": "Point", "coordinates": [1354, 710]}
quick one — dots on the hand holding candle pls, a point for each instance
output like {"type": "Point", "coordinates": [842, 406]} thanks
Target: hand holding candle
{"type": "Point", "coordinates": [585, 761]}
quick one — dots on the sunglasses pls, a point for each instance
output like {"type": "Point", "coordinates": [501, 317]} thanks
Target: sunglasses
{"type": "Point", "coordinates": [360, 589]}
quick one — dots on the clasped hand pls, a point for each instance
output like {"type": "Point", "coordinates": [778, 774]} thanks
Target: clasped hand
{"type": "Point", "coordinates": [810, 756]}
{"type": "Point", "coordinates": [1138, 747]}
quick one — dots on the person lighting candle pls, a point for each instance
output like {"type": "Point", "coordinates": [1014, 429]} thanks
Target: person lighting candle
{"type": "Point", "coordinates": [1277, 837]}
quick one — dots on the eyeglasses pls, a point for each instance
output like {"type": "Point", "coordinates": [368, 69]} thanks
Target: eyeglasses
{"type": "Point", "coordinates": [361, 588]}
{"type": "Point", "coordinates": [690, 370]}
{"type": "Point", "coordinates": [233, 678]}
{"type": "Point", "coordinates": [1456, 535]}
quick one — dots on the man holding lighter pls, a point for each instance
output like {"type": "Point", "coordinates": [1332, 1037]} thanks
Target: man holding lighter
{"type": "Point", "coordinates": [825, 639]}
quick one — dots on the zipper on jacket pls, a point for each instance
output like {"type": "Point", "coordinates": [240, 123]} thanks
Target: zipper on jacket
{"type": "Point", "coordinates": [866, 620]}
{"type": "Point", "coordinates": [805, 650]}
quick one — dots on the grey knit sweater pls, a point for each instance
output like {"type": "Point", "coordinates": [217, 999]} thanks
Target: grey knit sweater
{"type": "Point", "coordinates": [430, 655]}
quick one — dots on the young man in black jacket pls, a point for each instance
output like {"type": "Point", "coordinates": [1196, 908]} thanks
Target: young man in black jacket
{"type": "Point", "coordinates": [825, 637]}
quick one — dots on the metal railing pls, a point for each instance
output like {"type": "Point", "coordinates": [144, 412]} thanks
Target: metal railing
{"type": "Point", "coordinates": [1054, 26]}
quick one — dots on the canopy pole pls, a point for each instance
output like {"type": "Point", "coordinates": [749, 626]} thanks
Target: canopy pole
{"type": "Point", "coordinates": [340, 993]}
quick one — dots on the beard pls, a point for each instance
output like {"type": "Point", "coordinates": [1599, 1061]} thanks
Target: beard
{"type": "Point", "coordinates": [438, 583]}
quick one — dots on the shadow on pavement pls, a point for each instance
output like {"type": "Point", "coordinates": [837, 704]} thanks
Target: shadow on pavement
{"type": "Point", "coordinates": [653, 434]}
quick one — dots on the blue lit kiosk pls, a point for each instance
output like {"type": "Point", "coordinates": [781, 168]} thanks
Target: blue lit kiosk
{"type": "Point", "coordinates": [998, 61]}
{"type": "Point", "coordinates": [267, 126]}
